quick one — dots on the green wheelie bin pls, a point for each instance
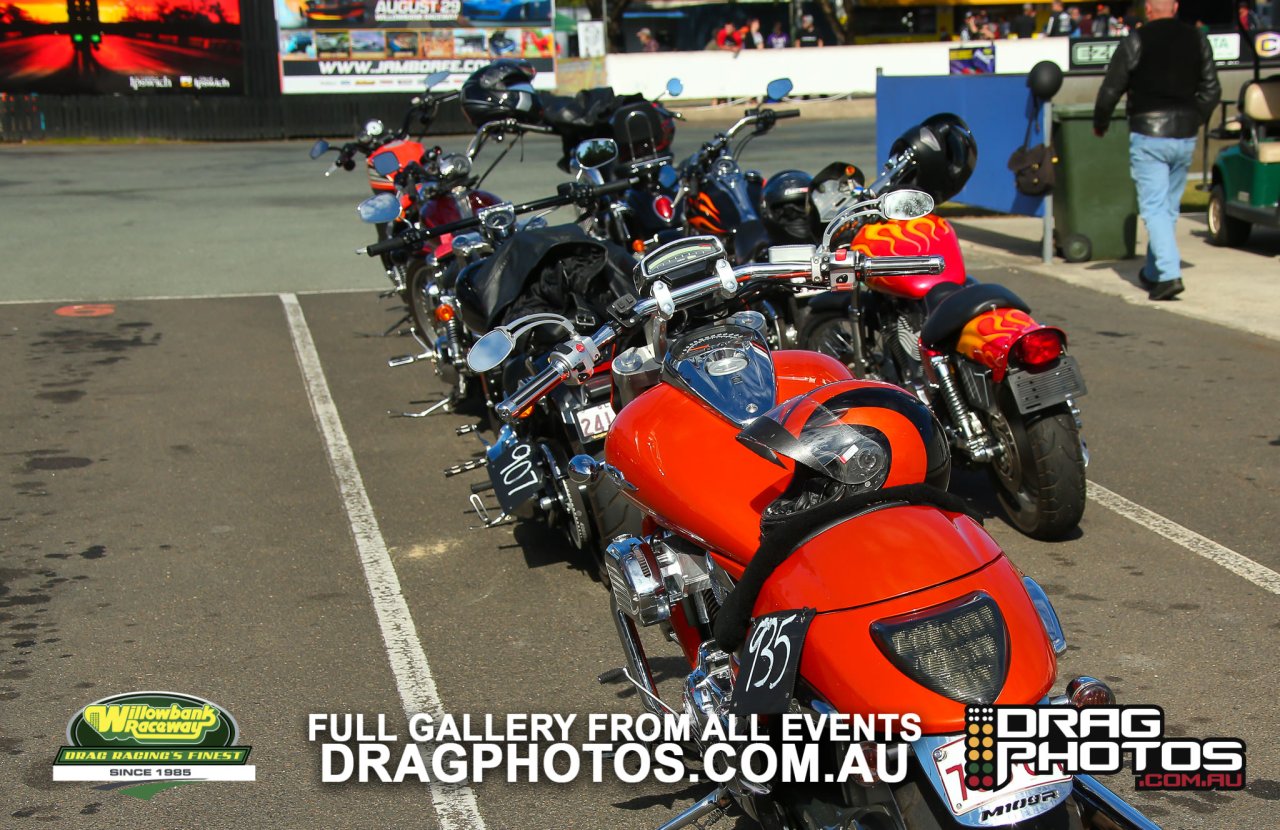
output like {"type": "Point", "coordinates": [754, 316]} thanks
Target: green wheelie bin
{"type": "Point", "coordinates": [1095, 205]}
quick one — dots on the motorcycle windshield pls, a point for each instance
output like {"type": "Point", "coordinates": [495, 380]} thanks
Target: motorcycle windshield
{"type": "Point", "coordinates": [810, 433]}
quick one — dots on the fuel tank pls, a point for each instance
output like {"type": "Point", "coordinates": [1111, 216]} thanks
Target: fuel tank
{"type": "Point", "coordinates": [691, 473]}
{"type": "Point", "coordinates": [928, 235]}
{"type": "Point", "coordinates": [451, 207]}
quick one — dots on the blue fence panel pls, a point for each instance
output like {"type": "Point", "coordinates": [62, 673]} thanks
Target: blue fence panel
{"type": "Point", "coordinates": [997, 108]}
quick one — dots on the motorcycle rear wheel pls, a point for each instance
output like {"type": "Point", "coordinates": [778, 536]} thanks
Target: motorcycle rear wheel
{"type": "Point", "coordinates": [1039, 476]}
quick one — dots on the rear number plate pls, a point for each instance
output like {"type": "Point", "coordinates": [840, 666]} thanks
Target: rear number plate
{"type": "Point", "coordinates": [594, 421]}
{"type": "Point", "coordinates": [950, 760]}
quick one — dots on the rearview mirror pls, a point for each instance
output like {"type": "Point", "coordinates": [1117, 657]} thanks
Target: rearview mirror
{"type": "Point", "coordinates": [675, 87]}
{"type": "Point", "coordinates": [385, 163]}
{"type": "Point", "coordinates": [490, 350]}
{"type": "Point", "coordinates": [778, 89]}
{"type": "Point", "coordinates": [906, 204]}
{"type": "Point", "coordinates": [378, 209]}
{"type": "Point", "coordinates": [436, 78]}
{"type": "Point", "coordinates": [319, 148]}
{"type": "Point", "coordinates": [595, 153]}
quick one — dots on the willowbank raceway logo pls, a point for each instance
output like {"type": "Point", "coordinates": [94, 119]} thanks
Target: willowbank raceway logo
{"type": "Point", "coordinates": [147, 737]}
{"type": "Point", "coordinates": [1002, 742]}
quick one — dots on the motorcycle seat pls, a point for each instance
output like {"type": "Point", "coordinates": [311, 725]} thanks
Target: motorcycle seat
{"type": "Point", "coordinates": [961, 305]}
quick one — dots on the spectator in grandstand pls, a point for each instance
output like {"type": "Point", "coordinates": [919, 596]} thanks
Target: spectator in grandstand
{"type": "Point", "coordinates": [1024, 25]}
{"type": "Point", "coordinates": [808, 35]}
{"type": "Point", "coordinates": [778, 39]}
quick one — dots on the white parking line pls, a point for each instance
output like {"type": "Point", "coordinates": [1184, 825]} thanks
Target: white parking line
{"type": "Point", "coordinates": [229, 296]}
{"type": "Point", "coordinates": [1238, 564]}
{"type": "Point", "coordinates": [455, 804]}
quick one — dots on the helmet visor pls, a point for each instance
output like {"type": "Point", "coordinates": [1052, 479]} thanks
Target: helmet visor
{"type": "Point", "coordinates": [811, 434]}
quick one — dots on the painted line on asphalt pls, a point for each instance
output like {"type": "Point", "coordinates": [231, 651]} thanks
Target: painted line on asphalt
{"type": "Point", "coordinates": [230, 296]}
{"type": "Point", "coordinates": [1238, 564]}
{"type": "Point", "coordinates": [455, 804]}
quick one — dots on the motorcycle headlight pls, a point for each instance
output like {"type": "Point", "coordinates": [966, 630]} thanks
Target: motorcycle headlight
{"type": "Point", "coordinates": [959, 650]}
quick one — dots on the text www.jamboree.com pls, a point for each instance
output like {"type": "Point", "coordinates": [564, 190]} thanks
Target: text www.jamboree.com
{"type": "Point", "coordinates": [400, 67]}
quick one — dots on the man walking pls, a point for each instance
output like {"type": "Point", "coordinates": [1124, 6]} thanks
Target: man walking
{"type": "Point", "coordinates": [1167, 69]}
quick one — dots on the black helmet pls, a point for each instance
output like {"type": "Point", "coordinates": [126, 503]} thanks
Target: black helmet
{"type": "Point", "coordinates": [832, 189]}
{"type": "Point", "coordinates": [782, 207]}
{"type": "Point", "coordinates": [945, 155]}
{"type": "Point", "coordinates": [503, 89]}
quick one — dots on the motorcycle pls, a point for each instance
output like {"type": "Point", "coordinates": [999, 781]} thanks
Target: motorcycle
{"type": "Point", "coordinates": [1003, 385]}
{"type": "Point", "coordinates": [811, 467]}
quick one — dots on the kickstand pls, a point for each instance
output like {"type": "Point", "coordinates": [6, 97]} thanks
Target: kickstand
{"type": "Point", "coordinates": [442, 405]}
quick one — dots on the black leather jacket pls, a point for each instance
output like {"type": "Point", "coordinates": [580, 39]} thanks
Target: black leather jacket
{"type": "Point", "coordinates": [1170, 119]}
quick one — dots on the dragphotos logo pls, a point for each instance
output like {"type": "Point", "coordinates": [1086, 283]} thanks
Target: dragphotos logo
{"type": "Point", "coordinates": [1094, 740]}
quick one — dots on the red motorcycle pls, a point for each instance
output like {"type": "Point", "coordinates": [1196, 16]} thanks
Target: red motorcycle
{"type": "Point", "coordinates": [777, 487]}
{"type": "Point", "coordinates": [1002, 384]}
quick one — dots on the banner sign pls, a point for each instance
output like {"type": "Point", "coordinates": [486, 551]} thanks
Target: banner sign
{"type": "Point", "coordinates": [1091, 55]}
{"type": "Point", "coordinates": [386, 45]}
{"type": "Point", "coordinates": [972, 60]}
{"type": "Point", "coordinates": [76, 47]}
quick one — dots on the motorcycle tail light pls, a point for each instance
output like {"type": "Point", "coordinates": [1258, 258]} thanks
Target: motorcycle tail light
{"type": "Point", "coordinates": [444, 312]}
{"type": "Point", "coordinates": [959, 649]}
{"type": "Point", "coordinates": [1089, 691]}
{"type": "Point", "coordinates": [1037, 348]}
{"type": "Point", "coordinates": [664, 208]}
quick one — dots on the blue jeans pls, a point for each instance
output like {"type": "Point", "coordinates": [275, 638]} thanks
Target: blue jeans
{"type": "Point", "coordinates": [1159, 169]}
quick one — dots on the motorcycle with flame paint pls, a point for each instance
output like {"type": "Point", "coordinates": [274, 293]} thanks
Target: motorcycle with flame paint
{"type": "Point", "coordinates": [1002, 384]}
{"type": "Point", "coordinates": [798, 531]}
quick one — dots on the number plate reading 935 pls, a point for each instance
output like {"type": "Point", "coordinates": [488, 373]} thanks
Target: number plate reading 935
{"type": "Point", "coordinates": [770, 662]}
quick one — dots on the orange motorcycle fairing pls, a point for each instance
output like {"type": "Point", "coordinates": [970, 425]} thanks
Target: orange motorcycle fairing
{"type": "Point", "coordinates": [404, 151]}
{"type": "Point", "coordinates": [988, 338]}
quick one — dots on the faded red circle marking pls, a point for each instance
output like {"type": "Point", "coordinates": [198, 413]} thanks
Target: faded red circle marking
{"type": "Point", "coordinates": [86, 310]}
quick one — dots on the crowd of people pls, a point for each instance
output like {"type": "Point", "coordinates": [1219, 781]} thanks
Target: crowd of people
{"type": "Point", "coordinates": [1070, 21]}
{"type": "Point", "coordinates": [733, 37]}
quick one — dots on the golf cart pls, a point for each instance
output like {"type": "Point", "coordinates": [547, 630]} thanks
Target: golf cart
{"type": "Point", "coordinates": [1245, 189]}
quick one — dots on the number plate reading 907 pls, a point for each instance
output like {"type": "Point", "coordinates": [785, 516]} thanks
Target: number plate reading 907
{"type": "Point", "coordinates": [516, 473]}
{"type": "Point", "coordinates": [770, 663]}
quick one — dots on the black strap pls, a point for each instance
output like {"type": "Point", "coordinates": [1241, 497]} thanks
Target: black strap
{"type": "Point", "coordinates": [780, 539]}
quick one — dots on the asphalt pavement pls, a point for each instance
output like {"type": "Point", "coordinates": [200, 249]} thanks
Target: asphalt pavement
{"type": "Point", "coordinates": [173, 522]}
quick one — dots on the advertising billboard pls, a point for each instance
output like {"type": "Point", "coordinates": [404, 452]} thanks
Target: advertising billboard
{"type": "Point", "coordinates": [385, 45]}
{"type": "Point", "coordinates": [73, 47]}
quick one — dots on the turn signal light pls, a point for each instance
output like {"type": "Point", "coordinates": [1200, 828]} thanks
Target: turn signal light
{"type": "Point", "coordinates": [1089, 691]}
{"type": "Point", "coordinates": [1036, 348]}
{"type": "Point", "coordinates": [444, 313]}
{"type": "Point", "coordinates": [664, 208]}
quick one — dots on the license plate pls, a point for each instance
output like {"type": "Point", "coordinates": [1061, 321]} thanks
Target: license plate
{"type": "Point", "coordinates": [950, 760]}
{"type": "Point", "coordinates": [515, 468]}
{"type": "Point", "coordinates": [594, 421]}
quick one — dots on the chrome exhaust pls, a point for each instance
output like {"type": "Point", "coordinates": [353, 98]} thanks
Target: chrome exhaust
{"type": "Point", "coordinates": [637, 662]}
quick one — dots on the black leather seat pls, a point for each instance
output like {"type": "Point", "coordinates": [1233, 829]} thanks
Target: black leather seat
{"type": "Point", "coordinates": [958, 307]}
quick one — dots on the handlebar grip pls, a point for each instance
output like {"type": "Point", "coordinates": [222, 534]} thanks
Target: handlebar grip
{"type": "Point", "coordinates": [611, 187]}
{"type": "Point", "coordinates": [901, 266]}
{"type": "Point", "coordinates": [786, 113]}
{"type": "Point", "coordinates": [532, 391]}
{"type": "Point", "coordinates": [395, 243]}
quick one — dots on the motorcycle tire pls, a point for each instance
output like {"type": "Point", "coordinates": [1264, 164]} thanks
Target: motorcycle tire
{"type": "Point", "coordinates": [832, 334]}
{"type": "Point", "coordinates": [415, 287]}
{"type": "Point", "coordinates": [1039, 478]}
{"type": "Point", "coordinates": [1224, 231]}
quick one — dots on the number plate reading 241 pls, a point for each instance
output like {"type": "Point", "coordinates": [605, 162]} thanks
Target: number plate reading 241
{"type": "Point", "coordinates": [770, 663]}
{"type": "Point", "coordinates": [515, 468]}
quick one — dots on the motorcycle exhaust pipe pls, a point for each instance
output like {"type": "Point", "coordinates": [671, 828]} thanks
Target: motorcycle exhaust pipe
{"type": "Point", "coordinates": [637, 662]}
{"type": "Point", "coordinates": [1104, 810]}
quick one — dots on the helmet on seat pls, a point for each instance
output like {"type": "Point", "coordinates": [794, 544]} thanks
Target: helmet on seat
{"type": "Point", "coordinates": [503, 89]}
{"type": "Point", "coordinates": [945, 155]}
{"type": "Point", "coordinates": [850, 437]}
{"type": "Point", "coordinates": [782, 207]}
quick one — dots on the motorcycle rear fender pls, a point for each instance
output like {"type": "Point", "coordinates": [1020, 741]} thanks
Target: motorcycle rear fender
{"type": "Point", "coordinates": [988, 338]}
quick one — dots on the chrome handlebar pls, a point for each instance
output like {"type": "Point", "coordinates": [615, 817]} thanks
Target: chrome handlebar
{"type": "Point", "coordinates": [576, 358]}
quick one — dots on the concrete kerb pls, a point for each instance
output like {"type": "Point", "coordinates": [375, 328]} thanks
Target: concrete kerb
{"type": "Point", "coordinates": [1235, 288]}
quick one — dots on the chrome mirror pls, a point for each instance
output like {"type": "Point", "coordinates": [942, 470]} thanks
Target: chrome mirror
{"type": "Point", "coordinates": [490, 350]}
{"type": "Point", "coordinates": [383, 207]}
{"type": "Point", "coordinates": [319, 148]}
{"type": "Point", "coordinates": [595, 153]}
{"type": "Point", "coordinates": [778, 89]}
{"type": "Point", "coordinates": [385, 163]}
{"type": "Point", "coordinates": [906, 204]}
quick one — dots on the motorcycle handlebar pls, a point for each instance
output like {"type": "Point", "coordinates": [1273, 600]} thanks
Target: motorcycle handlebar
{"type": "Point", "coordinates": [532, 391]}
{"type": "Point", "coordinates": [786, 113]}
{"type": "Point", "coordinates": [901, 266]}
